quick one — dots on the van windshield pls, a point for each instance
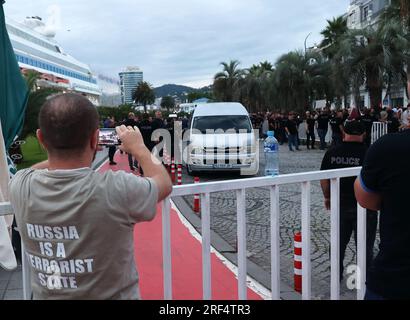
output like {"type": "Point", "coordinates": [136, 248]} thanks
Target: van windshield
{"type": "Point", "coordinates": [222, 124]}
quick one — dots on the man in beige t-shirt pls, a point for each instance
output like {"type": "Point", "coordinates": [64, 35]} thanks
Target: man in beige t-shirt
{"type": "Point", "coordinates": [77, 224]}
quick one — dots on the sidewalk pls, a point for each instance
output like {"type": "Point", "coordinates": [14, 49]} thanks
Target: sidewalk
{"type": "Point", "coordinates": [186, 262]}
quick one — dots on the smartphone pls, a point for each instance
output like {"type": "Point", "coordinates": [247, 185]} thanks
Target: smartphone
{"type": "Point", "coordinates": [108, 137]}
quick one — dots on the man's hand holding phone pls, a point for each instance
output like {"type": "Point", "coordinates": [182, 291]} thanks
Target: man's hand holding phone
{"type": "Point", "coordinates": [132, 141]}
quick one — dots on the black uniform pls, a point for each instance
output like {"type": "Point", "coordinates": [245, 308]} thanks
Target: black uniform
{"type": "Point", "coordinates": [393, 125]}
{"type": "Point", "coordinates": [322, 128]}
{"type": "Point", "coordinates": [131, 162]}
{"type": "Point", "coordinates": [389, 275]}
{"type": "Point", "coordinates": [282, 124]}
{"type": "Point", "coordinates": [337, 136]}
{"type": "Point", "coordinates": [345, 155]}
{"type": "Point", "coordinates": [158, 123]}
{"type": "Point", "coordinates": [368, 121]}
{"type": "Point", "coordinates": [146, 129]}
{"type": "Point", "coordinates": [171, 129]}
{"type": "Point", "coordinates": [111, 149]}
{"type": "Point", "coordinates": [310, 134]}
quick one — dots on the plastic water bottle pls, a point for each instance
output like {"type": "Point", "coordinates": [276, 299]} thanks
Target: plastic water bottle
{"type": "Point", "coordinates": [271, 150]}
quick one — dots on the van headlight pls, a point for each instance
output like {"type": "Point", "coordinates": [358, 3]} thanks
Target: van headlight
{"type": "Point", "coordinates": [197, 151]}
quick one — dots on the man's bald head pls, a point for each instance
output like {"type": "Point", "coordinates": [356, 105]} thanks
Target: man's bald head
{"type": "Point", "coordinates": [67, 123]}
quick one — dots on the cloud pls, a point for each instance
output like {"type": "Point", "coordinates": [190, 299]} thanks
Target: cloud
{"type": "Point", "coordinates": [181, 41]}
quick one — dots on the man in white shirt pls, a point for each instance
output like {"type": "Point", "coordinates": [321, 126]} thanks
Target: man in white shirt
{"type": "Point", "coordinates": [405, 116]}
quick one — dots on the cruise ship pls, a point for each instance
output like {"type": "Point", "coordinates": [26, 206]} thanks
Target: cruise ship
{"type": "Point", "coordinates": [35, 48]}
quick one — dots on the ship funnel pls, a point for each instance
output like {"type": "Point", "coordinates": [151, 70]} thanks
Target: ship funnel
{"type": "Point", "coordinates": [48, 29]}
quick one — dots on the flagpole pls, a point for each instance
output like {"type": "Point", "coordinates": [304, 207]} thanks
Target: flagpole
{"type": "Point", "coordinates": [7, 257]}
{"type": "Point", "coordinates": [13, 101]}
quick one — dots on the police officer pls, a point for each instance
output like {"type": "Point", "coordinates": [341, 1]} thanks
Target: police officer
{"type": "Point", "coordinates": [170, 126]}
{"type": "Point", "coordinates": [368, 119]}
{"type": "Point", "coordinates": [336, 123]}
{"type": "Point", "coordinates": [310, 130]}
{"type": "Point", "coordinates": [146, 129]}
{"type": "Point", "coordinates": [131, 121]}
{"type": "Point", "coordinates": [323, 127]}
{"type": "Point", "coordinates": [110, 123]}
{"type": "Point", "coordinates": [350, 153]}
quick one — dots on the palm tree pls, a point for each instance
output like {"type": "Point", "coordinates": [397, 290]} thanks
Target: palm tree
{"type": "Point", "coordinates": [374, 57]}
{"type": "Point", "coordinates": [404, 10]}
{"type": "Point", "coordinates": [257, 82]}
{"type": "Point", "coordinates": [332, 35]}
{"type": "Point", "coordinates": [299, 78]}
{"type": "Point", "coordinates": [338, 84]}
{"type": "Point", "coordinates": [144, 94]}
{"type": "Point", "coordinates": [399, 13]}
{"type": "Point", "coordinates": [168, 102]}
{"type": "Point", "coordinates": [225, 82]}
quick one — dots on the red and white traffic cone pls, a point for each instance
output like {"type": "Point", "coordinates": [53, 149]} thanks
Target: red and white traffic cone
{"type": "Point", "coordinates": [166, 161]}
{"type": "Point", "coordinates": [298, 262]}
{"type": "Point", "coordinates": [173, 171]}
{"type": "Point", "coordinates": [165, 156]}
{"type": "Point", "coordinates": [179, 175]}
{"type": "Point", "coordinates": [196, 198]}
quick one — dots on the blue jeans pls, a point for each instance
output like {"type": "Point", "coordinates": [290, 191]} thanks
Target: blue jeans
{"type": "Point", "coordinates": [293, 140]}
{"type": "Point", "coordinates": [370, 295]}
{"type": "Point", "coordinates": [322, 136]}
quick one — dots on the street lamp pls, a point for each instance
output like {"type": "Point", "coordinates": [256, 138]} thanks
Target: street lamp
{"type": "Point", "coordinates": [306, 40]}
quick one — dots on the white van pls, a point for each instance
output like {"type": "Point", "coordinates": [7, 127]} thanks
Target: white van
{"type": "Point", "coordinates": [221, 138]}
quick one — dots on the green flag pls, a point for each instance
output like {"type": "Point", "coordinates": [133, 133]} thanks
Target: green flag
{"type": "Point", "coordinates": [13, 88]}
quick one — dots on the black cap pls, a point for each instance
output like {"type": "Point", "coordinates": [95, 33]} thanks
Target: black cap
{"type": "Point", "coordinates": [354, 127]}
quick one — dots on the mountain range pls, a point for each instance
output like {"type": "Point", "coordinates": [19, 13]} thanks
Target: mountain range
{"type": "Point", "coordinates": [177, 90]}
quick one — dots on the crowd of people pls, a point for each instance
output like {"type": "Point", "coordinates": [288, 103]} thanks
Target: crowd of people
{"type": "Point", "coordinates": [379, 188]}
{"type": "Point", "coordinates": [147, 126]}
{"type": "Point", "coordinates": [287, 125]}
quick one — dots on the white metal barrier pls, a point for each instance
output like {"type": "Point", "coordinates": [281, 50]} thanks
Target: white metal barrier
{"type": "Point", "coordinates": [379, 129]}
{"type": "Point", "coordinates": [240, 186]}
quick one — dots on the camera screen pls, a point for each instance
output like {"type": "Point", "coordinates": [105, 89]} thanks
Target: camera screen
{"type": "Point", "coordinates": [108, 137]}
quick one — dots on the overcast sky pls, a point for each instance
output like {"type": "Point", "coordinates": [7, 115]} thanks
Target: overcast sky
{"type": "Point", "coordinates": [180, 41]}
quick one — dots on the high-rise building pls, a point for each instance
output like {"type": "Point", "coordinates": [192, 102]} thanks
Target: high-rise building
{"type": "Point", "coordinates": [129, 80]}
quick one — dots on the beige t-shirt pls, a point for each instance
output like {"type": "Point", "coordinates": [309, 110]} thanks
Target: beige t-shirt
{"type": "Point", "coordinates": [77, 226]}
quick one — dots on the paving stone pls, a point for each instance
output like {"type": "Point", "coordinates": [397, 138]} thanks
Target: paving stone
{"type": "Point", "coordinates": [13, 295]}
{"type": "Point", "coordinates": [224, 223]}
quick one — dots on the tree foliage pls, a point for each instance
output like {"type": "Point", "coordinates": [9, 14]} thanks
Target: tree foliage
{"type": "Point", "coordinates": [35, 101]}
{"type": "Point", "coordinates": [144, 94]}
{"type": "Point", "coordinates": [376, 57]}
{"type": "Point", "coordinates": [168, 102]}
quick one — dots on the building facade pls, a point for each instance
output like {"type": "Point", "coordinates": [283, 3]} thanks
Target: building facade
{"type": "Point", "coordinates": [129, 80]}
{"type": "Point", "coordinates": [363, 14]}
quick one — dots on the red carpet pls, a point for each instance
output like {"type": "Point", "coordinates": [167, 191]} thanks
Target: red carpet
{"type": "Point", "coordinates": [186, 259]}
